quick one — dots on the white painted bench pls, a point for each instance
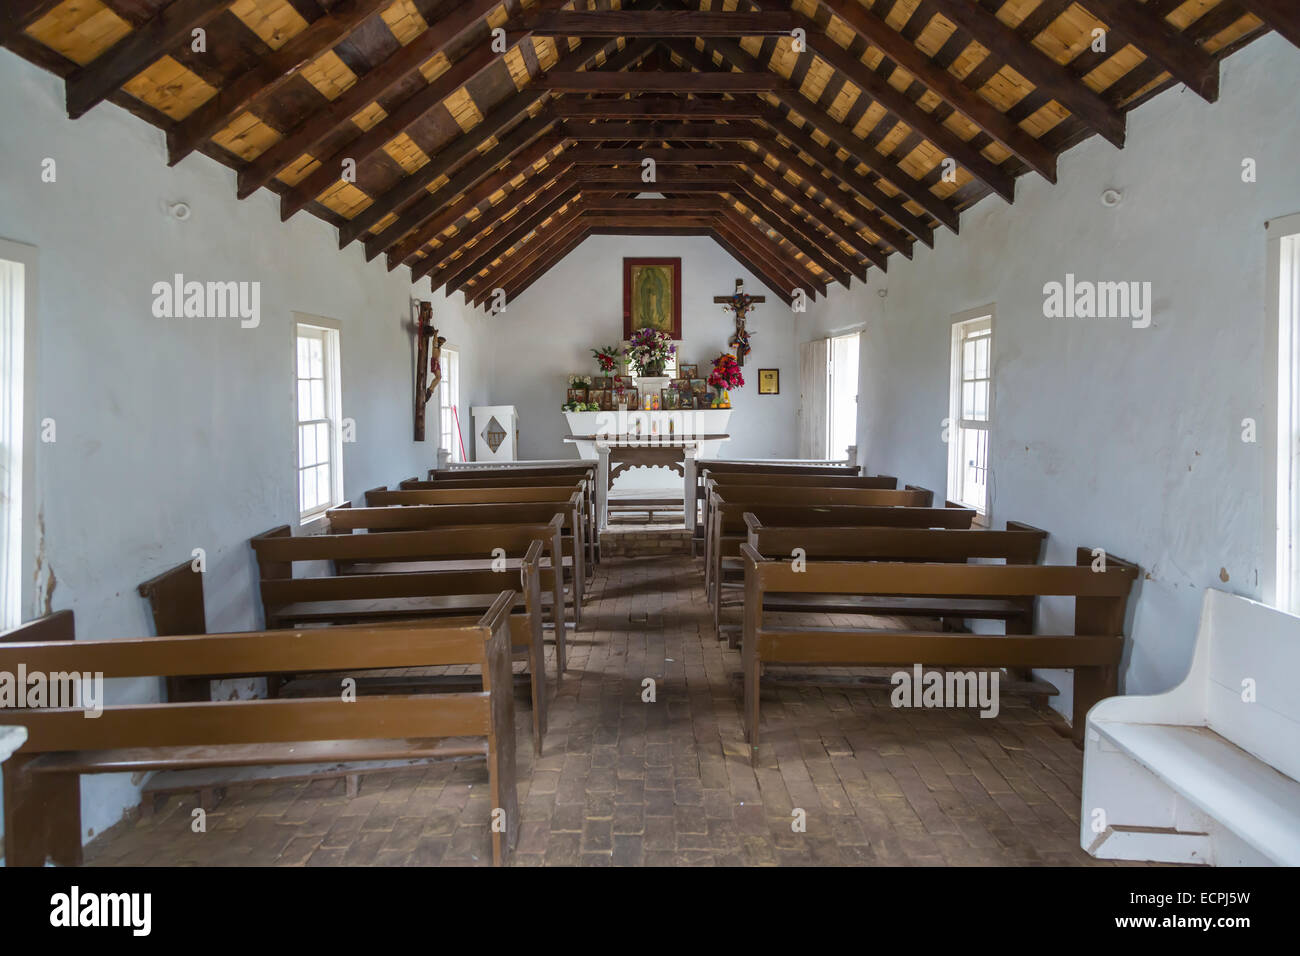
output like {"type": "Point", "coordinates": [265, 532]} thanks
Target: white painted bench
{"type": "Point", "coordinates": [1206, 772]}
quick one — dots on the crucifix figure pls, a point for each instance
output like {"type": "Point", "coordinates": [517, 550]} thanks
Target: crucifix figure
{"type": "Point", "coordinates": [739, 304]}
{"type": "Point", "coordinates": [428, 376]}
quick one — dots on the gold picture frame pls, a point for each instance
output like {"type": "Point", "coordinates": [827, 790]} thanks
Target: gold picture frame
{"type": "Point", "coordinates": [769, 381]}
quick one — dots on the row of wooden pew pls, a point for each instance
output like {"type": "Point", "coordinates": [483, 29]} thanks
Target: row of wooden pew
{"type": "Point", "coordinates": [804, 542]}
{"type": "Point", "coordinates": [389, 638]}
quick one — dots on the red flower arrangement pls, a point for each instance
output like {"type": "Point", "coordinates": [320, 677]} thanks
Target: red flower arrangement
{"type": "Point", "coordinates": [726, 372]}
{"type": "Point", "coordinates": [606, 358]}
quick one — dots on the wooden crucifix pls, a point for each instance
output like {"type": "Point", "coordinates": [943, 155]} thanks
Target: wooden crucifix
{"type": "Point", "coordinates": [739, 304]}
{"type": "Point", "coordinates": [428, 367]}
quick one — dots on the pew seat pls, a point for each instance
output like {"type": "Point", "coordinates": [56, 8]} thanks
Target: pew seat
{"type": "Point", "coordinates": [1208, 772]}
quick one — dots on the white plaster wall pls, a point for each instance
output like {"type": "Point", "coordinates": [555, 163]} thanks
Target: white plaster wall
{"type": "Point", "coordinates": [175, 434]}
{"type": "Point", "coordinates": [548, 333]}
{"type": "Point", "coordinates": [1105, 435]}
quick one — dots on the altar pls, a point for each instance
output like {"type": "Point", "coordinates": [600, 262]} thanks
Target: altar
{"type": "Point", "coordinates": [671, 440]}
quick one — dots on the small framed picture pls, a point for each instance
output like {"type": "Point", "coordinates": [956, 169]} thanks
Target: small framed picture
{"type": "Point", "coordinates": [601, 382]}
{"type": "Point", "coordinates": [688, 371]}
{"type": "Point", "coordinates": [669, 398]}
{"type": "Point", "coordinates": [700, 386]}
{"type": "Point", "coordinates": [769, 381]}
{"type": "Point", "coordinates": [599, 396]}
{"type": "Point", "coordinates": [576, 394]}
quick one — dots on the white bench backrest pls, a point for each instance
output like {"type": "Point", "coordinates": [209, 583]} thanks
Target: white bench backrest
{"type": "Point", "coordinates": [1251, 641]}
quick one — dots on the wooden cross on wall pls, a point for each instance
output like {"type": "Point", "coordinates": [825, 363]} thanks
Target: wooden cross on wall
{"type": "Point", "coordinates": [428, 368]}
{"type": "Point", "coordinates": [739, 304]}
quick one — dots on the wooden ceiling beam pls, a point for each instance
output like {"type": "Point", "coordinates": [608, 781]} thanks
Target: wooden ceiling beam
{"type": "Point", "coordinates": [900, 105]}
{"type": "Point", "coordinates": [270, 73]}
{"type": "Point", "coordinates": [740, 244]}
{"type": "Point", "coordinates": [471, 236]}
{"type": "Point", "coordinates": [561, 249]}
{"type": "Point", "coordinates": [753, 194]}
{"type": "Point", "coordinates": [308, 135]}
{"type": "Point", "coordinates": [498, 275]}
{"type": "Point", "coordinates": [801, 236]}
{"type": "Point", "coordinates": [661, 23]}
{"type": "Point", "coordinates": [875, 31]}
{"type": "Point", "coordinates": [635, 156]}
{"type": "Point", "coordinates": [656, 109]}
{"type": "Point", "coordinates": [685, 204]}
{"type": "Point", "coordinates": [843, 138]}
{"type": "Point", "coordinates": [1156, 38]}
{"type": "Point", "coordinates": [1280, 15]}
{"type": "Point", "coordinates": [614, 132]}
{"type": "Point", "coordinates": [404, 238]}
{"type": "Point", "coordinates": [17, 15]}
{"type": "Point", "coordinates": [545, 204]}
{"type": "Point", "coordinates": [1040, 69]}
{"type": "Point", "coordinates": [101, 77]}
{"type": "Point", "coordinates": [600, 81]}
{"type": "Point", "coordinates": [765, 248]}
{"type": "Point", "coordinates": [720, 237]}
{"type": "Point", "coordinates": [461, 149]}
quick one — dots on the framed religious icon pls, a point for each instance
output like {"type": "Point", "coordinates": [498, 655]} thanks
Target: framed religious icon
{"type": "Point", "coordinates": [688, 371]}
{"type": "Point", "coordinates": [700, 386]}
{"type": "Point", "coordinates": [599, 397]}
{"type": "Point", "coordinates": [769, 381]}
{"type": "Point", "coordinates": [652, 296]}
{"type": "Point", "coordinates": [576, 395]}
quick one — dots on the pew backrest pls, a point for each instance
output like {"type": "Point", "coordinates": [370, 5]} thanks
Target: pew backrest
{"type": "Point", "coordinates": [1018, 544]}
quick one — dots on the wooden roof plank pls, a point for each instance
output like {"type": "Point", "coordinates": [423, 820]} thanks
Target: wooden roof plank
{"type": "Point", "coordinates": [661, 23]}
{"type": "Point", "coordinates": [1156, 37]}
{"type": "Point", "coordinates": [174, 24]}
{"type": "Point", "coordinates": [268, 76]}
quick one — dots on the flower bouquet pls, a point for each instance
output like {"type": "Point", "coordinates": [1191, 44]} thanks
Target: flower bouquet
{"type": "Point", "coordinates": [649, 351]}
{"type": "Point", "coordinates": [579, 381]}
{"type": "Point", "coordinates": [726, 372]}
{"type": "Point", "coordinates": [607, 359]}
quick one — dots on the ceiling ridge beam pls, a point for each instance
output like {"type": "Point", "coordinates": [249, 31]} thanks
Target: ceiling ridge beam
{"type": "Point", "coordinates": [661, 23]}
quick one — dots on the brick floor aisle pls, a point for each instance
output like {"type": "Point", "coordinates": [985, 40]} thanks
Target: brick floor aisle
{"type": "Point", "coordinates": [672, 782]}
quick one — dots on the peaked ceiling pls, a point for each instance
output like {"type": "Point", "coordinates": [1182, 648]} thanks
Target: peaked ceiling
{"type": "Point", "coordinates": [479, 142]}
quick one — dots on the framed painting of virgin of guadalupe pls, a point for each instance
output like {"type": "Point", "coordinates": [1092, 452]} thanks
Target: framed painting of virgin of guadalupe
{"type": "Point", "coordinates": [652, 296]}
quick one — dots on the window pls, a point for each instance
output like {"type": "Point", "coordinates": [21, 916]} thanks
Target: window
{"type": "Point", "coordinates": [319, 404]}
{"type": "Point", "coordinates": [1284, 277]}
{"type": "Point", "coordinates": [449, 406]}
{"type": "Point", "coordinates": [970, 410]}
{"type": "Point", "coordinates": [842, 426]}
{"type": "Point", "coordinates": [16, 286]}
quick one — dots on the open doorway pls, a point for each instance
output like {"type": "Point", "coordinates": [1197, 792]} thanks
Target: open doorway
{"type": "Point", "coordinates": [842, 423]}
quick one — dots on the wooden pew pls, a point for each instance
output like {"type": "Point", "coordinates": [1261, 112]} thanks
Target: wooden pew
{"type": "Point", "coordinates": [585, 485]}
{"type": "Point", "coordinates": [403, 576]}
{"type": "Point", "coordinates": [726, 510]}
{"type": "Point", "coordinates": [1093, 650]}
{"type": "Point", "coordinates": [714, 468]}
{"type": "Point", "coordinates": [1020, 543]}
{"type": "Point", "coordinates": [754, 480]}
{"type": "Point", "coordinates": [41, 781]}
{"type": "Point", "coordinates": [567, 495]}
{"type": "Point", "coordinates": [176, 603]}
{"type": "Point", "coordinates": [346, 518]}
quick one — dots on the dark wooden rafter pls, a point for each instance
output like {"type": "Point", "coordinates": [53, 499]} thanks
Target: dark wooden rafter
{"type": "Point", "coordinates": [369, 88]}
{"type": "Point", "coordinates": [398, 121]}
{"type": "Point", "coordinates": [472, 191]}
{"type": "Point", "coordinates": [661, 23]}
{"type": "Point", "coordinates": [898, 104]}
{"type": "Point", "coordinates": [173, 25]}
{"type": "Point", "coordinates": [970, 104]}
{"type": "Point", "coordinates": [268, 75]}
{"type": "Point", "coordinates": [657, 108]}
{"type": "Point", "coordinates": [17, 15]}
{"type": "Point", "coordinates": [1037, 67]}
{"type": "Point", "coordinates": [598, 81]}
{"type": "Point", "coordinates": [1280, 15]}
{"type": "Point", "coordinates": [513, 260]}
{"type": "Point", "coordinates": [858, 151]}
{"type": "Point", "coordinates": [1156, 37]}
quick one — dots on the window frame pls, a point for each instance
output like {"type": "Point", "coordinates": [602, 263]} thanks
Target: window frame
{"type": "Point", "coordinates": [964, 325]}
{"type": "Point", "coordinates": [28, 256]}
{"type": "Point", "coordinates": [332, 369]}
{"type": "Point", "coordinates": [452, 447]}
{"type": "Point", "coordinates": [1280, 584]}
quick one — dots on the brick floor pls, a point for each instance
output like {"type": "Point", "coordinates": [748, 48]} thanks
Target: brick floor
{"type": "Point", "coordinates": [672, 782]}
